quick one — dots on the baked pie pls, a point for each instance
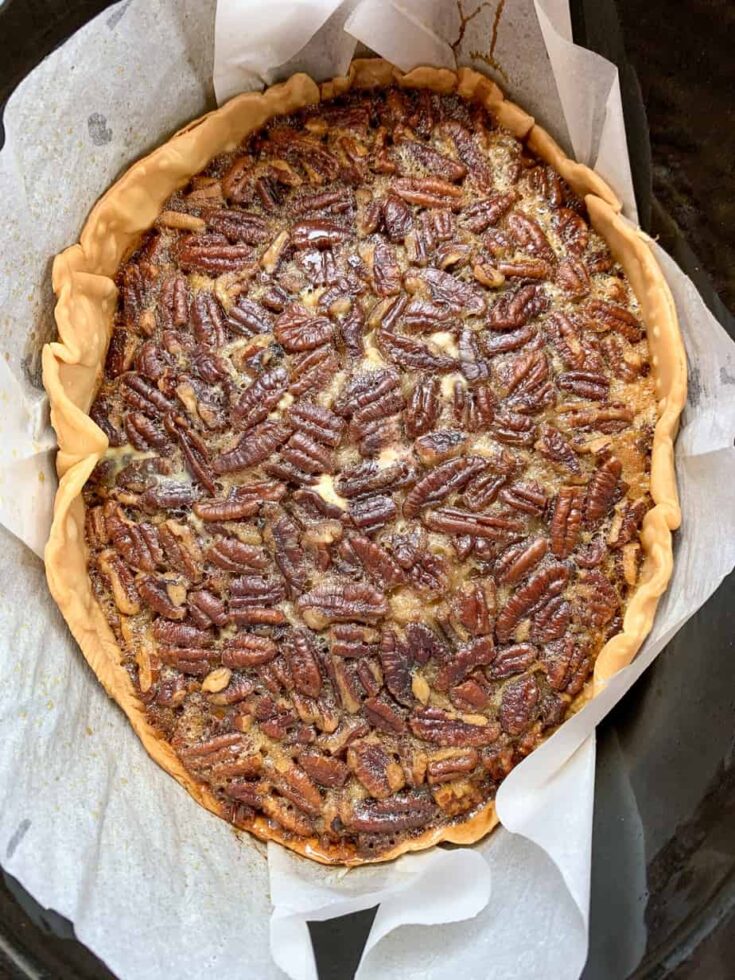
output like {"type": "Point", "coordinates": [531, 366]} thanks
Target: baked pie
{"type": "Point", "coordinates": [365, 401]}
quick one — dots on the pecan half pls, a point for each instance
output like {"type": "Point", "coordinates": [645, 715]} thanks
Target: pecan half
{"type": "Point", "coordinates": [161, 596]}
{"type": "Point", "coordinates": [510, 339]}
{"type": "Point", "coordinates": [240, 502]}
{"type": "Point", "coordinates": [573, 277]}
{"type": "Point", "coordinates": [529, 235]}
{"type": "Point", "coordinates": [252, 601]}
{"type": "Point", "coordinates": [445, 479]}
{"type": "Point", "coordinates": [284, 814]}
{"type": "Point", "coordinates": [555, 447]}
{"type": "Point", "coordinates": [429, 574]}
{"type": "Point", "coordinates": [351, 640]}
{"type": "Point", "coordinates": [206, 609]}
{"type": "Point", "coordinates": [611, 418]}
{"type": "Point", "coordinates": [449, 767]}
{"type": "Point", "coordinates": [430, 228]}
{"type": "Point", "coordinates": [379, 773]}
{"type": "Point", "coordinates": [138, 544]}
{"type": "Point", "coordinates": [372, 402]}
{"type": "Point", "coordinates": [436, 447]}
{"type": "Point", "coordinates": [312, 370]}
{"type": "Point", "coordinates": [281, 534]}
{"type": "Point", "coordinates": [233, 555]}
{"type": "Point", "coordinates": [386, 271]}
{"type": "Point", "coordinates": [518, 704]}
{"type": "Point", "coordinates": [351, 329]}
{"type": "Point", "coordinates": [423, 408]}
{"type": "Point", "coordinates": [472, 607]}
{"type": "Point", "coordinates": [213, 254]}
{"type": "Point", "coordinates": [170, 495]}
{"type": "Point", "coordinates": [319, 423]}
{"type": "Point", "coordinates": [296, 785]}
{"type": "Point", "coordinates": [181, 634]}
{"type": "Point", "coordinates": [397, 218]}
{"type": "Point", "coordinates": [424, 645]}
{"type": "Point", "coordinates": [574, 348]}
{"type": "Point", "coordinates": [121, 582]}
{"type": "Point", "coordinates": [542, 586]}
{"type": "Point", "coordinates": [248, 317]}
{"type": "Point", "coordinates": [385, 715]}
{"type": "Point", "coordinates": [444, 288]}
{"type": "Point", "coordinates": [566, 665]}
{"type": "Point", "coordinates": [480, 215]}
{"type": "Point", "coordinates": [255, 446]}
{"type": "Point", "coordinates": [572, 229]}
{"type": "Point", "coordinates": [368, 478]}
{"type": "Point", "coordinates": [601, 490]}
{"type": "Point", "coordinates": [174, 306]}
{"type": "Point", "coordinates": [585, 384]}
{"type": "Point", "coordinates": [516, 309]}
{"type": "Point", "coordinates": [301, 656]}
{"type": "Point", "coordinates": [518, 560]}
{"type": "Point", "coordinates": [248, 650]}
{"type": "Point", "coordinates": [603, 316]}
{"type": "Point", "coordinates": [528, 498]}
{"type": "Point", "coordinates": [261, 397]}
{"type": "Point", "coordinates": [412, 354]}
{"type": "Point", "coordinates": [188, 660]}
{"type": "Point", "coordinates": [417, 154]}
{"type": "Point", "coordinates": [324, 770]}
{"type": "Point", "coordinates": [297, 330]}
{"type": "Point", "coordinates": [238, 226]}
{"type": "Point", "coordinates": [435, 725]}
{"type": "Point", "coordinates": [513, 659]}
{"type": "Point", "coordinates": [472, 694]}
{"type": "Point", "coordinates": [474, 408]}
{"type": "Point", "coordinates": [598, 600]}
{"type": "Point", "coordinates": [342, 603]}
{"type": "Point", "coordinates": [626, 523]}
{"type": "Point", "coordinates": [318, 233]}
{"type": "Point", "coordinates": [513, 428]}
{"type": "Point", "coordinates": [468, 150]}
{"type": "Point", "coordinates": [427, 192]}
{"type": "Point", "coordinates": [483, 489]}
{"type": "Point", "coordinates": [396, 662]}
{"type": "Point", "coordinates": [453, 520]}
{"type": "Point", "coordinates": [143, 396]}
{"type": "Point", "coordinates": [370, 514]}
{"type": "Point", "coordinates": [551, 621]}
{"type": "Point", "coordinates": [472, 366]}
{"type": "Point", "coordinates": [390, 816]}
{"type": "Point", "coordinates": [194, 451]}
{"type": "Point", "coordinates": [566, 520]}
{"type": "Point", "coordinates": [478, 653]}
{"type": "Point", "coordinates": [377, 562]}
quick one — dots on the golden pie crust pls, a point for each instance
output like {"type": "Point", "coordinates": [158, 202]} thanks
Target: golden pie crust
{"type": "Point", "coordinates": [73, 369]}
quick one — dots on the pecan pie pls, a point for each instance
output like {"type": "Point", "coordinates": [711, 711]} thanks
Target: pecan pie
{"type": "Point", "coordinates": [363, 402]}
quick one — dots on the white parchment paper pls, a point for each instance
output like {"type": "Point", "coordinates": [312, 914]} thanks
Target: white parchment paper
{"type": "Point", "coordinates": [155, 885]}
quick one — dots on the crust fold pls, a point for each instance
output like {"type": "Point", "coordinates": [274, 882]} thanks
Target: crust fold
{"type": "Point", "coordinates": [73, 367]}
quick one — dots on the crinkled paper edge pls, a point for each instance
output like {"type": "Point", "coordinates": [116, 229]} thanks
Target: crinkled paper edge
{"type": "Point", "coordinates": [73, 368]}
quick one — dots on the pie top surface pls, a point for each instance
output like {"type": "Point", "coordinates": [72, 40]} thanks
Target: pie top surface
{"type": "Point", "coordinates": [380, 418]}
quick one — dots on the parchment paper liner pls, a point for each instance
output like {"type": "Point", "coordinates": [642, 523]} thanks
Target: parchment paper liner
{"type": "Point", "coordinates": [73, 367]}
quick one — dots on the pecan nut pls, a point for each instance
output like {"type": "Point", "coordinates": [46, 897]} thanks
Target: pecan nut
{"type": "Point", "coordinates": [350, 602]}
{"type": "Point", "coordinates": [435, 725]}
{"type": "Point", "coordinates": [542, 586]}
